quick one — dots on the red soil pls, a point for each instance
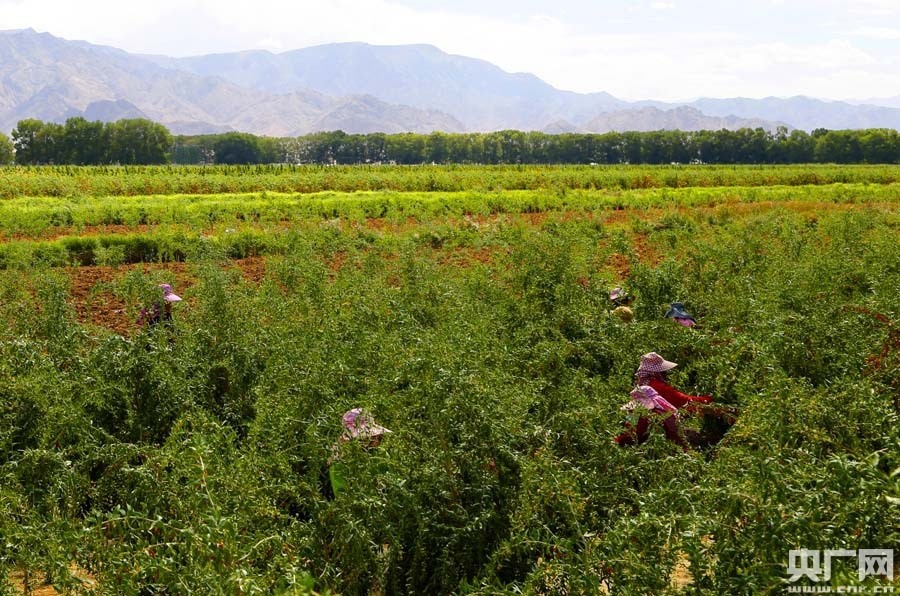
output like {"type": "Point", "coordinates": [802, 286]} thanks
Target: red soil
{"type": "Point", "coordinates": [94, 301]}
{"type": "Point", "coordinates": [467, 257]}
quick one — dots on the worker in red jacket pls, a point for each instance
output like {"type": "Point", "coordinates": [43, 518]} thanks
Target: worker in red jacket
{"type": "Point", "coordinates": [652, 373]}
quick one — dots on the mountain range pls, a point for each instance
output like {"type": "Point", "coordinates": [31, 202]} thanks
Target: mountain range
{"type": "Point", "coordinates": [888, 102]}
{"type": "Point", "coordinates": [357, 88]}
{"type": "Point", "coordinates": [45, 77]}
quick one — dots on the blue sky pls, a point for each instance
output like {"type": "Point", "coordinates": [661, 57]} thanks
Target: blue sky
{"type": "Point", "coordinates": [639, 49]}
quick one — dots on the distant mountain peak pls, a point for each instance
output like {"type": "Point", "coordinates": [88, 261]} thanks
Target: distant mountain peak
{"type": "Point", "coordinates": [686, 118]}
{"type": "Point", "coordinates": [112, 110]}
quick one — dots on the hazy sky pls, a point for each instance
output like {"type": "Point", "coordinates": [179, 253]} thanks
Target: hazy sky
{"type": "Point", "coordinates": [638, 49]}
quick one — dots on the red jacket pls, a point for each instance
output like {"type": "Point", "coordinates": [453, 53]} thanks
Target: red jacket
{"type": "Point", "coordinates": [677, 398]}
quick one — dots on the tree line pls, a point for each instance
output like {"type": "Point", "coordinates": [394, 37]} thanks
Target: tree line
{"type": "Point", "coordinates": [750, 146]}
{"type": "Point", "coordinates": [143, 142]}
{"type": "Point", "coordinates": [82, 142]}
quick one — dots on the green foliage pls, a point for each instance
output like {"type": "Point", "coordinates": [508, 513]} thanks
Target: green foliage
{"type": "Point", "coordinates": [194, 459]}
{"type": "Point", "coordinates": [745, 146]}
{"type": "Point", "coordinates": [7, 150]}
{"type": "Point", "coordinates": [138, 141]}
{"type": "Point", "coordinates": [236, 148]}
{"type": "Point", "coordinates": [71, 181]}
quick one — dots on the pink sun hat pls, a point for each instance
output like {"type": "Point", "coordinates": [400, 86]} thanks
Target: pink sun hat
{"type": "Point", "coordinates": [654, 363]}
{"type": "Point", "coordinates": [168, 294]}
{"type": "Point", "coordinates": [359, 423]}
{"type": "Point", "coordinates": [645, 396]}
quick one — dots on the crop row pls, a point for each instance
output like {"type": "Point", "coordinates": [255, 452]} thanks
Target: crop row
{"type": "Point", "coordinates": [34, 216]}
{"type": "Point", "coordinates": [145, 180]}
{"type": "Point", "coordinates": [425, 224]}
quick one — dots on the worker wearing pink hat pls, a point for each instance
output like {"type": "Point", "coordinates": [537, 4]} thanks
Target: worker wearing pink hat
{"type": "Point", "coordinates": [657, 396]}
{"type": "Point", "coordinates": [653, 371]}
{"type": "Point", "coordinates": [359, 425]}
{"type": "Point", "coordinates": [161, 311]}
{"type": "Point", "coordinates": [647, 400]}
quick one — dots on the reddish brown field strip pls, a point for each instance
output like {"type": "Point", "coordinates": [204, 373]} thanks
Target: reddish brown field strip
{"type": "Point", "coordinates": [468, 257]}
{"type": "Point", "coordinates": [94, 301]}
{"type": "Point", "coordinates": [53, 233]}
{"type": "Point", "coordinates": [96, 304]}
{"type": "Point", "coordinates": [609, 217]}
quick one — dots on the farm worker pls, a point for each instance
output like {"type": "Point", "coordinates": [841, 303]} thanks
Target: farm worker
{"type": "Point", "coordinates": [653, 371]}
{"type": "Point", "coordinates": [646, 398]}
{"type": "Point", "coordinates": [622, 301]}
{"type": "Point", "coordinates": [682, 317]}
{"type": "Point", "coordinates": [161, 311]}
{"type": "Point", "coordinates": [358, 426]}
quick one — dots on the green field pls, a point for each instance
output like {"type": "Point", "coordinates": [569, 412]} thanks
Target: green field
{"type": "Point", "coordinates": [143, 180]}
{"type": "Point", "coordinates": [467, 309]}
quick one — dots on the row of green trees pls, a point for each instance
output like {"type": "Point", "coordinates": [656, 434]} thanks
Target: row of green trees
{"type": "Point", "coordinates": [143, 142]}
{"type": "Point", "coordinates": [518, 147]}
{"type": "Point", "coordinates": [82, 142]}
